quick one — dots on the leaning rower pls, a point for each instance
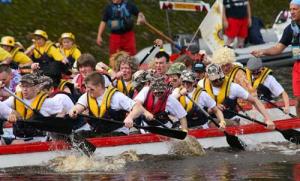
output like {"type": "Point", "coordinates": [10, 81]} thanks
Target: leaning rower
{"type": "Point", "coordinates": [226, 93]}
{"type": "Point", "coordinates": [266, 84]}
{"type": "Point", "coordinates": [107, 103]}
{"type": "Point", "coordinates": [196, 117]}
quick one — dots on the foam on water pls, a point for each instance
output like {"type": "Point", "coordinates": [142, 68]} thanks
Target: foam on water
{"type": "Point", "coordinates": [187, 147]}
{"type": "Point", "coordinates": [75, 163]}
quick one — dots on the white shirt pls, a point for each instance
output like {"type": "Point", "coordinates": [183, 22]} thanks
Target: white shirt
{"type": "Point", "coordinates": [49, 107]}
{"type": "Point", "coordinates": [204, 100]}
{"type": "Point", "coordinates": [65, 101]}
{"type": "Point", "coordinates": [273, 85]}
{"type": "Point", "coordinates": [173, 106]}
{"type": "Point", "coordinates": [118, 101]}
{"type": "Point", "coordinates": [236, 91]}
{"type": "Point", "coordinates": [5, 110]}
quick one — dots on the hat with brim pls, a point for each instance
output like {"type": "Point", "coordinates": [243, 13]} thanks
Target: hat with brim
{"type": "Point", "coordinates": [31, 79]}
{"type": "Point", "coordinates": [176, 68]}
{"type": "Point", "coordinates": [138, 78]}
{"type": "Point", "coordinates": [214, 72]}
{"type": "Point", "coordinates": [254, 63]}
{"type": "Point", "coordinates": [187, 76]}
{"type": "Point", "coordinates": [158, 85]}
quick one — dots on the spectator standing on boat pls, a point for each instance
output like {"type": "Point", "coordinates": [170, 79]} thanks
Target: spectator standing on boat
{"type": "Point", "coordinates": [290, 37]}
{"type": "Point", "coordinates": [195, 117]}
{"type": "Point", "coordinates": [118, 17]}
{"type": "Point", "coordinates": [10, 78]}
{"type": "Point", "coordinates": [226, 94]}
{"type": "Point", "coordinates": [236, 20]}
{"type": "Point", "coordinates": [19, 58]}
{"type": "Point", "coordinates": [107, 103]}
{"type": "Point", "coordinates": [266, 84]}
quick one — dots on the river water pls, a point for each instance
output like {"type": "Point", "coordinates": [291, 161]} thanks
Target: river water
{"type": "Point", "coordinates": [264, 162]}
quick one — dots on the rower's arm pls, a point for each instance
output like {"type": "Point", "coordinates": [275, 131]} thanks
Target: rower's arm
{"type": "Point", "coordinates": [219, 115]}
{"type": "Point", "coordinates": [77, 109]}
{"type": "Point", "coordinates": [135, 112]}
{"type": "Point", "coordinates": [286, 101]}
{"type": "Point", "coordinates": [260, 107]}
{"type": "Point", "coordinates": [183, 123]}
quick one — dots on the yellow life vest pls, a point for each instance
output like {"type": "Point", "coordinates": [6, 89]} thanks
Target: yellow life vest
{"type": "Point", "coordinates": [36, 104]}
{"type": "Point", "coordinates": [188, 106]}
{"type": "Point", "coordinates": [105, 104]}
{"type": "Point", "coordinates": [122, 87]}
{"type": "Point", "coordinates": [260, 79]}
{"type": "Point", "coordinates": [62, 84]}
{"type": "Point", "coordinates": [224, 90]}
{"type": "Point", "coordinates": [14, 52]}
{"type": "Point", "coordinates": [233, 72]}
{"type": "Point", "coordinates": [39, 51]}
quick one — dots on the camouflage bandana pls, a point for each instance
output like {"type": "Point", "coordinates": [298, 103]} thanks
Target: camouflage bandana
{"type": "Point", "coordinates": [158, 85]}
{"type": "Point", "coordinates": [188, 76]}
{"type": "Point", "coordinates": [176, 68]}
{"type": "Point", "coordinates": [31, 79]}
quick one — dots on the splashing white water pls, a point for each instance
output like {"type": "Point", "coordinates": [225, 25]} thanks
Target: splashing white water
{"type": "Point", "coordinates": [75, 163]}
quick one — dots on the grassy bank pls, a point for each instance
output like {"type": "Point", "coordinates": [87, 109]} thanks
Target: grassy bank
{"type": "Point", "coordinates": [82, 18]}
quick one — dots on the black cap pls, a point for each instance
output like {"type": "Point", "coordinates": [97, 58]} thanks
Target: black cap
{"type": "Point", "coordinates": [198, 66]}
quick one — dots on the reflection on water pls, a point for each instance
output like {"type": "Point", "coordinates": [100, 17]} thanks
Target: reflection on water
{"type": "Point", "coordinates": [284, 76]}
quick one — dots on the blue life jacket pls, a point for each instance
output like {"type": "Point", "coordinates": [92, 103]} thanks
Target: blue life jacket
{"type": "Point", "coordinates": [121, 19]}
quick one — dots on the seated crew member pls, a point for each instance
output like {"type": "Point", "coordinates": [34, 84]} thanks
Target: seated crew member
{"type": "Point", "coordinates": [107, 103]}
{"type": "Point", "coordinates": [225, 57]}
{"type": "Point", "coordinates": [157, 100]}
{"type": "Point", "coordinates": [127, 66]}
{"type": "Point", "coordinates": [226, 94]}
{"type": "Point", "coordinates": [174, 73]}
{"type": "Point", "coordinates": [266, 84]}
{"type": "Point", "coordinates": [85, 64]}
{"type": "Point", "coordinates": [194, 116]}
{"type": "Point", "coordinates": [31, 94]}
{"type": "Point", "coordinates": [10, 78]}
{"type": "Point", "coordinates": [199, 70]}
{"type": "Point", "coordinates": [45, 55]}
{"type": "Point", "coordinates": [19, 58]}
{"type": "Point", "coordinates": [4, 114]}
{"type": "Point", "coordinates": [69, 50]}
{"type": "Point", "coordinates": [5, 56]}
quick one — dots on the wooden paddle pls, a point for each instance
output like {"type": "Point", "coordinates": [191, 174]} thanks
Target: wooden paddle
{"type": "Point", "coordinates": [274, 105]}
{"type": "Point", "coordinates": [232, 140]}
{"type": "Point", "coordinates": [153, 129]}
{"type": "Point", "coordinates": [83, 145]}
{"type": "Point", "coordinates": [289, 134]}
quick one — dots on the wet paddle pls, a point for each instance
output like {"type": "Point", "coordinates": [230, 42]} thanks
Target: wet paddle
{"type": "Point", "coordinates": [82, 144]}
{"type": "Point", "coordinates": [232, 140]}
{"type": "Point", "coordinates": [153, 129]}
{"type": "Point", "coordinates": [289, 134]}
{"type": "Point", "coordinates": [274, 105]}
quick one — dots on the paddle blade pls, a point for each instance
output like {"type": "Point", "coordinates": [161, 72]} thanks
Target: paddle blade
{"type": "Point", "coordinates": [164, 131]}
{"type": "Point", "coordinates": [291, 135]}
{"type": "Point", "coordinates": [235, 142]}
{"type": "Point", "coordinates": [82, 144]}
{"type": "Point", "coordinates": [52, 124]}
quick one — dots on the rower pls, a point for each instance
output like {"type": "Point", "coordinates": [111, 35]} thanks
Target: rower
{"type": "Point", "coordinates": [199, 70]}
{"type": "Point", "coordinates": [106, 103]}
{"type": "Point", "coordinates": [85, 64]}
{"type": "Point", "coordinates": [226, 93]}
{"type": "Point", "coordinates": [157, 100]}
{"type": "Point", "coordinates": [45, 55]}
{"type": "Point", "coordinates": [5, 133]}
{"type": "Point", "coordinates": [161, 64]}
{"type": "Point", "coordinates": [19, 58]}
{"type": "Point", "coordinates": [266, 84]}
{"type": "Point", "coordinates": [225, 57]}
{"type": "Point", "coordinates": [194, 116]}
{"type": "Point", "coordinates": [174, 73]}
{"type": "Point", "coordinates": [31, 94]}
{"type": "Point", "coordinates": [69, 50]}
{"type": "Point", "coordinates": [10, 78]}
